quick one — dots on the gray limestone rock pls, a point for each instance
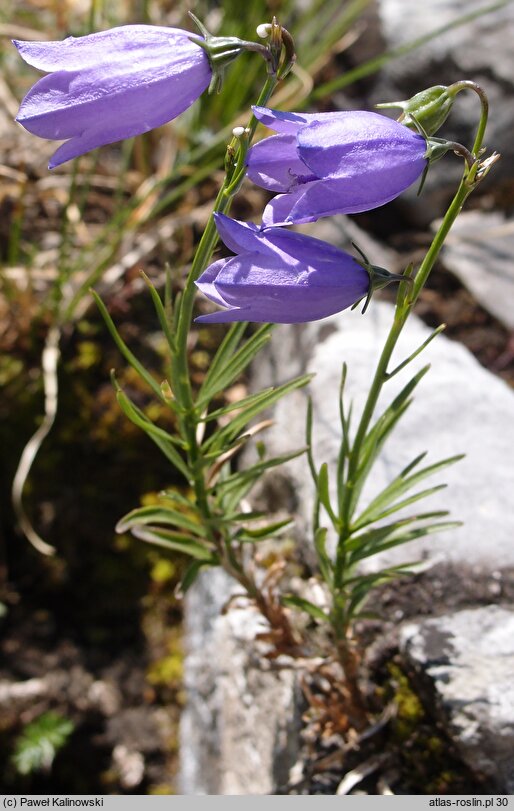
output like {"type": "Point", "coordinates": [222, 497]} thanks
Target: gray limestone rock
{"type": "Point", "coordinates": [459, 407]}
{"type": "Point", "coordinates": [239, 731]}
{"type": "Point", "coordinates": [240, 727]}
{"type": "Point", "coordinates": [479, 251]}
{"type": "Point", "coordinates": [478, 49]}
{"type": "Point", "coordinates": [468, 657]}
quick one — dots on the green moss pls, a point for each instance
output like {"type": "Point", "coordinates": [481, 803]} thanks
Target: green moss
{"type": "Point", "coordinates": [168, 670]}
{"type": "Point", "coordinates": [428, 761]}
{"type": "Point", "coordinates": [410, 710]}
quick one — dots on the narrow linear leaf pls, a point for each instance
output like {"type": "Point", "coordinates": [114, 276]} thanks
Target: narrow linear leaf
{"type": "Point", "coordinates": [174, 541]}
{"type": "Point", "coordinates": [370, 536]}
{"type": "Point", "coordinates": [383, 425]}
{"type": "Point", "coordinates": [379, 433]}
{"type": "Point", "coordinates": [162, 315]}
{"type": "Point", "coordinates": [238, 517]}
{"type": "Point", "coordinates": [175, 497]}
{"type": "Point", "coordinates": [344, 448]}
{"type": "Point", "coordinates": [156, 514]}
{"type": "Point", "coordinates": [370, 579]}
{"type": "Point", "coordinates": [161, 438]}
{"type": "Point", "coordinates": [255, 471]}
{"type": "Point", "coordinates": [125, 351]}
{"type": "Point", "coordinates": [323, 493]}
{"type": "Point", "coordinates": [308, 441]}
{"type": "Point", "coordinates": [416, 352]}
{"type": "Point", "coordinates": [248, 535]}
{"type": "Point", "coordinates": [190, 575]}
{"type": "Point", "coordinates": [224, 352]}
{"type": "Point", "coordinates": [231, 367]}
{"type": "Point", "coordinates": [401, 484]}
{"type": "Point", "coordinates": [245, 401]}
{"type": "Point", "coordinates": [325, 564]}
{"type": "Point", "coordinates": [314, 611]}
{"type": "Point", "coordinates": [228, 433]}
{"type": "Point", "coordinates": [239, 485]}
{"type": "Point", "coordinates": [401, 538]}
{"type": "Point", "coordinates": [399, 505]}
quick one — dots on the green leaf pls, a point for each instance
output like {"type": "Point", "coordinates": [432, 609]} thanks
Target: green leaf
{"type": "Point", "coordinates": [224, 352]}
{"type": "Point", "coordinates": [125, 351]}
{"type": "Point", "coordinates": [305, 605]}
{"type": "Point", "coordinates": [40, 741]}
{"type": "Point", "coordinates": [324, 495]}
{"type": "Point", "coordinates": [380, 431]}
{"type": "Point", "coordinates": [401, 484]}
{"type": "Point", "coordinates": [245, 401]}
{"type": "Point", "coordinates": [177, 498]}
{"type": "Point", "coordinates": [225, 369]}
{"type": "Point", "coordinates": [325, 564]}
{"type": "Point", "coordinates": [190, 575]}
{"type": "Point", "coordinates": [164, 441]}
{"type": "Point", "coordinates": [231, 490]}
{"type": "Point", "coordinates": [254, 472]}
{"type": "Point", "coordinates": [417, 351]}
{"type": "Point", "coordinates": [175, 541]}
{"type": "Point", "coordinates": [344, 448]}
{"type": "Point", "coordinates": [229, 433]}
{"type": "Point", "coordinates": [308, 442]}
{"type": "Point", "coordinates": [248, 535]}
{"type": "Point", "coordinates": [162, 315]}
{"type": "Point", "coordinates": [399, 505]}
{"type": "Point", "coordinates": [362, 586]}
{"type": "Point", "coordinates": [382, 538]}
{"type": "Point", "coordinates": [156, 514]}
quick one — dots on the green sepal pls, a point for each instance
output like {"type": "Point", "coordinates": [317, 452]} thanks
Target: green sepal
{"type": "Point", "coordinates": [378, 277]}
{"type": "Point", "coordinates": [221, 51]}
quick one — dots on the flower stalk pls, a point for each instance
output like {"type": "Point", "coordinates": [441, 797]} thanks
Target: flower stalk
{"type": "Point", "coordinates": [406, 301]}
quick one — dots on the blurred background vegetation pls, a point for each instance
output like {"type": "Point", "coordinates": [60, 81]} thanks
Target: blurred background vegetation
{"type": "Point", "coordinates": [90, 677]}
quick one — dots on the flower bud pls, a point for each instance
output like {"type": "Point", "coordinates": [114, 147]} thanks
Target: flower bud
{"type": "Point", "coordinates": [427, 110]}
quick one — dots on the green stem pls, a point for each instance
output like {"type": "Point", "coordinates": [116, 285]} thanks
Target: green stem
{"type": "Point", "coordinates": [465, 84]}
{"type": "Point", "coordinates": [404, 308]}
{"type": "Point", "coordinates": [181, 376]}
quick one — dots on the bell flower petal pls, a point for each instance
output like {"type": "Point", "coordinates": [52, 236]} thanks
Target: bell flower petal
{"type": "Point", "coordinates": [276, 165]}
{"type": "Point", "coordinates": [111, 85]}
{"type": "Point", "coordinates": [290, 279]}
{"type": "Point", "coordinates": [339, 163]}
{"type": "Point", "coordinates": [288, 123]}
{"type": "Point", "coordinates": [333, 148]}
{"type": "Point", "coordinates": [239, 237]}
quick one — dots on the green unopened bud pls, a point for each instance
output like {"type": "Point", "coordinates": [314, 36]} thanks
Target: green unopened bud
{"type": "Point", "coordinates": [430, 108]}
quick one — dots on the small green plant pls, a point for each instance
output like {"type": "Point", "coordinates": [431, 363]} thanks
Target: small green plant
{"type": "Point", "coordinates": [40, 741]}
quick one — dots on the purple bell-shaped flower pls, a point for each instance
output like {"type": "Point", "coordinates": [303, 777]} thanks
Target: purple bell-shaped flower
{"type": "Point", "coordinates": [333, 163]}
